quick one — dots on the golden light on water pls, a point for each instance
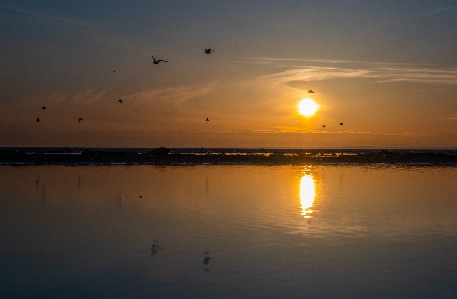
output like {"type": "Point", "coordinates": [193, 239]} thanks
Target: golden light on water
{"type": "Point", "coordinates": [307, 194]}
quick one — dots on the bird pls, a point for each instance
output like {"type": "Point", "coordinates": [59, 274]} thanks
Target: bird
{"type": "Point", "coordinates": [310, 91]}
{"type": "Point", "coordinates": [206, 257]}
{"type": "Point", "coordinates": [44, 107]}
{"type": "Point", "coordinates": [323, 126]}
{"type": "Point", "coordinates": [208, 51]}
{"type": "Point", "coordinates": [207, 119]}
{"type": "Point", "coordinates": [341, 124]}
{"type": "Point", "coordinates": [157, 61]}
{"type": "Point", "coordinates": [38, 120]}
{"type": "Point", "coordinates": [80, 119]}
{"type": "Point", "coordinates": [120, 101]}
{"type": "Point", "coordinates": [114, 71]}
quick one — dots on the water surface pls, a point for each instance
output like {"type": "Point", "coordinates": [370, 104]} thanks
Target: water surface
{"type": "Point", "coordinates": [228, 232]}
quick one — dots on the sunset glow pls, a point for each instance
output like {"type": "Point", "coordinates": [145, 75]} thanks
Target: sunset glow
{"type": "Point", "coordinates": [138, 79]}
{"type": "Point", "coordinates": [307, 107]}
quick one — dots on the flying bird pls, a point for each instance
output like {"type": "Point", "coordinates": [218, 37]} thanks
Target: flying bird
{"type": "Point", "coordinates": [44, 108]}
{"type": "Point", "coordinates": [38, 120]}
{"type": "Point", "coordinates": [80, 119]}
{"type": "Point", "coordinates": [120, 101]}
{"type": "Point", "coordinates": [157, 61]}
{"type": "Point", "coordinates": [341, 124]}
{"type": "Point", "coordinates": [310, 91]}
{"type": "Point", "coordinates": [323, 126]}
{"type": "Point", "coordinates": [208, 51]}
{"type": "Point", "coordinates": [206, 257]}
{"type": "Point", "coordinates": [207, 119]}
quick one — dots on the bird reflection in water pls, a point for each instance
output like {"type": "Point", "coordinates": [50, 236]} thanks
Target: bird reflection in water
{"type": "Point", "coordinates": [206, 258]}
{"type": "Point", "coordinates": [307, 193]}
{"type": "Point", "coordinates": [153, 249]}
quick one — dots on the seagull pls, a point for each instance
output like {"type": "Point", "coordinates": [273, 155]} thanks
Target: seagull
{"type": "Point", "coordinates": [208, 51]}
{"type": "Point", "coordinates": [38, 120]}
{"type": "Point", "coordinates": [341, 124]}
{"type": "Point", "coordinates": [44, 107]}
{"type": "Point", "coordinates": [323, 126]}
{"type": "Point", "coordinates": [310, 91]}
{"type": "Point", "coordinates": [157, 61]}
{"type": "Point", "coordinates": [207, 119]}
{"type": "Point", "coordinates": [80, 119]}
{"type": "Point", "coordinates": [206, 257]}
{"type": "Point", "coordinates": [120, 101]}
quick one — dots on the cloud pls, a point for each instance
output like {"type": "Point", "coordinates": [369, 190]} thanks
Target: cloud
{"type": "Point", "coordinates": [449, 118]}
{"type": "Point", "coordinates": [161, 109]}
{"type": "Point", "coordinates": [321, 69]}
{"type": "Point", "coordinates": [438, 11]}
{"type": "Point", "coordinates": [293, 130]}
{"type": "Point", "coordinates": [42, 18]}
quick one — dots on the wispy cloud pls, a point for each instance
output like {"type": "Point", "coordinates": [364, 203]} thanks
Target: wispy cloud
{"type": "Point", "coordinates": [87, 28]}
{"type": "Point", "coordinates": [148, 107]}
{"type": "Point", "coordinates": [439, 10]}
{"type": "Point", "coordinates": [39, 17]}
{"type": "Point", "coordinates": [301, 131]}
{"type": "Point", "coordinates": [316, 70]}
{"type": "Point", "coordinates": [449, 118]}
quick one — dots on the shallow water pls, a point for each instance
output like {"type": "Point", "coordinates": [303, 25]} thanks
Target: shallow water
{"type": "Point", "coordinates": [228, 232]}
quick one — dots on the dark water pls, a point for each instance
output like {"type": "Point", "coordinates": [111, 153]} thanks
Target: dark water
{"type": "Point", "coordinates": [140, 231]}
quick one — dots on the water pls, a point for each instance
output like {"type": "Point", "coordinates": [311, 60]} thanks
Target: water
{"type": "Point", "coordinates": [144, 231]}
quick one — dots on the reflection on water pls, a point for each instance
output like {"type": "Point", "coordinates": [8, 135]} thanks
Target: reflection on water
{"type": "Point", "coordinates": [307, 194]}
{"type": "Point", "coordinates": [148, 231]}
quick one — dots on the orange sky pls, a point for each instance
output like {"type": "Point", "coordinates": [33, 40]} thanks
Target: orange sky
{"type": "Point", "coordinates": [387, 71]}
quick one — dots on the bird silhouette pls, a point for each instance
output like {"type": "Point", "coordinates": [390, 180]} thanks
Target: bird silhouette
{"type": "Point", "coordinates": [38, 120]}
{"type": "Point", "coordinates": [120, 101]}
{"type": "Point", "coordinates": [341, 124]}
{"type": "Point", "coordinates": [44, 107]}
{"type": "Point", "coordinates": [323, 126]}
{"type": "Point", "coordinates": [206, 257]}
{"type": "Point", "coordinates": [207, 119]}
{"type": "Point", "coordinates": [310, 91]}
{"type": "Point", "coordinates": [157, 61]}
{"type": "Point", "coordinates": [80, 119]}
{"type": "Point", "coordinates": [208, 51]}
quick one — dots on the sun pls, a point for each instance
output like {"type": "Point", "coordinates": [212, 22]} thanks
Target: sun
{"type": "Point", "coordinates": [307, 107]}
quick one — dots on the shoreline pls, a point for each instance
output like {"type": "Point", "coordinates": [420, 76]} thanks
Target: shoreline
{"type": "Point", "coordinates": [163, 156]}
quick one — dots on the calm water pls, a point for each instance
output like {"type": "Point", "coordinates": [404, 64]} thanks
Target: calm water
{"type": "Point", "coordinates": [228, 232]}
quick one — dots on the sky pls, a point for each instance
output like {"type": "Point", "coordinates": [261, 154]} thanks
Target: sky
{"type": "Point", "coordinates": [385, 69]}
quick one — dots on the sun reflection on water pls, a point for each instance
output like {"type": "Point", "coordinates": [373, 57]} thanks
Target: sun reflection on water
{"type": "Point", "coordinates": [307, 194]}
